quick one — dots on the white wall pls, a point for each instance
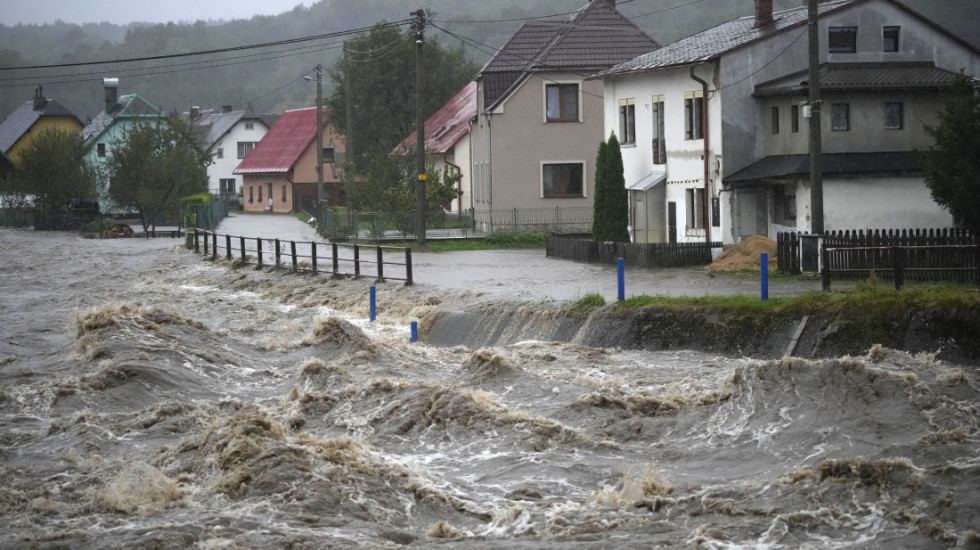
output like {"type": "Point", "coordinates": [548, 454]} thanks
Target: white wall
{"type": "Point", "coordinates": [222, 168]}
{"type": "Point", "coordinates": [881, 203]}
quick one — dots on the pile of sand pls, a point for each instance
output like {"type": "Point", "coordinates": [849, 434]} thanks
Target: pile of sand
{"type": "Point", "coordinates": [745, 256]}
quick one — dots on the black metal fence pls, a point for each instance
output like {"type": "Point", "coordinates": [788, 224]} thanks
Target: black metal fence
{"type": "Point", "coordinates": [634, 254]}
{"type": "Point", "coordinates": [17, 218]}
{"type": "Point", "coordinates": [338, 259]}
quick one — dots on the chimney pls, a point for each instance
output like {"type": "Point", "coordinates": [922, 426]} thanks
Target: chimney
{"type": "Point", "coordinates": [39, 101]}
{"type": "Point", "coordinates": [226, 108]}
{"type": "Point", "coordinates": [111, 86]}
{"type": "Point", "coordinates": [763, 13]}
{"type": "Point", "coordinates": [195, 112]}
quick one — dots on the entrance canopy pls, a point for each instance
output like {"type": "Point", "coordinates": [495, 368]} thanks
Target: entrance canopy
{"type": "Point", "coordinates": [647, 182]}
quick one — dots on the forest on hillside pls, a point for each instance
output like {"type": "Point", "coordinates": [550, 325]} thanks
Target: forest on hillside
{"type": "Point", "coordinates": [271, 79]}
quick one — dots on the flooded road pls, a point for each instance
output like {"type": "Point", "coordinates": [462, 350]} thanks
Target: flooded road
{"type": "Point", "coordinates": [152, 399]}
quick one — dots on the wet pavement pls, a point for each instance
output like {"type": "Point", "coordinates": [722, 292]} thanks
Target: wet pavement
{"type": "Point", "coordinates": [529, 274]}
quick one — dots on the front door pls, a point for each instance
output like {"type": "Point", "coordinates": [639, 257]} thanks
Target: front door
{"type": "Point", "coordinates": [747, 216]}
{"type": "Point", "coordinates": [672, 222]}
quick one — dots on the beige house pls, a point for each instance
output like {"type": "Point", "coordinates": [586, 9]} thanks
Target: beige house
{"type": "Point", "coordinates": [539, 121]}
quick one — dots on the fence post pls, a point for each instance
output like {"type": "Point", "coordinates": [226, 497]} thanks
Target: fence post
{"type": "Point", "coordinates": [228, 247]}
{"type": "Point", "coordinates": [336, 260]}
{"type": "Point", "coordinates": [278, 257]}
{"type": "Point", "coordinates": [243, 250]}
{"type": "Point", "coordinates": [381, 266]}
{"type": "Point", "coordinates": [292, 250]}
{"type": "Point", "coordinates": [825, 267]}
{"type": "Point", "coordinates": [374, 295]}
{"type": "Point", "coordinates": [214, 246]}
{"type": "Point", "coordinates": [197, 246]}
{"type": "Point", "coordinates": [898, 258]}
{"type": "Point", "coordinates": [258, 246]}
{"type": "Point", "coordinates": [764, 274]}
{"type": "Point", "coordinates": [408, 266]}
{"type": "Point", "coordinates": [621, 279]}
{"type": "Point", "coordinates": [313, 255]}
{"type": "Point", "coordinates": [357, 261]}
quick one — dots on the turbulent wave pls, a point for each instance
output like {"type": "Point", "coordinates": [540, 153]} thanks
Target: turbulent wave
{"type": "Point", "coordinates": [215, 406]}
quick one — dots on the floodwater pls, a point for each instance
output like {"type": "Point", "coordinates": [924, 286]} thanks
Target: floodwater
{"type": "Point", "coordinates": [152, 399]}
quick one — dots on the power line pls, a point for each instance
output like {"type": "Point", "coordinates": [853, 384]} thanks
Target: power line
{"type": "Point", "coordinates": [206, 52]}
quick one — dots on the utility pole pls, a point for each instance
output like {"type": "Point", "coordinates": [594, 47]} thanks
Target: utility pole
{"type": "Point", "coordinates": [319, 134]}
{"type": "Point", "coordinates": [419, 129]}
{"type": "Point", "coordinates": [348, 105]}
{"type": "Point", "coordinates": [814, 103]}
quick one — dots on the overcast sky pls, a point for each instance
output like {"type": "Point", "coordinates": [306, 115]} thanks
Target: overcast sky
{"type": "Point", "coordinates": [127, 11]}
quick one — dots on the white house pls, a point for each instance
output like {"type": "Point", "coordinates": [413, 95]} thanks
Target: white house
{"type": "Point", "coordinates": [229, 136]}
{"type": "Point", "coordinates": [883, 69]}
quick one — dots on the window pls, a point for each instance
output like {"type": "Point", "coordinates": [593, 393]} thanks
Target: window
{"type": "Point", "coordinates": [695, 208]}
{"type": "Point", "coordinates": [220, 153]}
{"type": "Point", "coordinates": [284, 192]}
{"type": "Point", "coordinates": [794, 118]}
{"type": "Point", "coordinates": [260, 193]}
{"type": "Point", "coordinates": [693, 108]}
{"type": "Point", "coordinates": [250, 190]}
{"type": "Point", "coordinates": [561, 102]}
{"type": "Point", "coordinates": [842, 39]}
{"type": "Point", "coordinates": [627, 121]}
{"type": "Point", "coordinates": [894, 116]}
{"type": "Point", "coordinates": [249, 125]}
{"type": "Point", "coordinates": [659, 141]}
{"type": "Point", "coordinates": [244, 148]}
{"type": "Point", "coordinates": [226, 186]}
{"type": "Point", "coordinates": [783, 203]}
{"type": "Point", "coordinates": [840, 117]}
{"type": "Point", "coordinates": [328, 154]}
{"type": "Point", "coordinates": [101, 149]}
{"type": "Point", "coordinates": [563, 180]}
{"type": "Point", "coordinates": [889, 39]}
{"type": "Point", "coordinates": [775, 120]}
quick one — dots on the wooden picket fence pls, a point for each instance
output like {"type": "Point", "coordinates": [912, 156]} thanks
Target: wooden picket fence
{"type": "Point", "coordinates": [950, 254]}
{"type": "Point", "coordinates": [583, 249]}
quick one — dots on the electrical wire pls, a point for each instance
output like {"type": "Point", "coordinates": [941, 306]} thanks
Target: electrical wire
{"type": "Point", "coordinates": [206, 52]}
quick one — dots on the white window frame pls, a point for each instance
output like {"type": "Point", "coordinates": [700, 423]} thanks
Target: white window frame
{"type": "Point", "coordinates": [627, 122]}
{"type": "Point", "coordinates": [544, 100]}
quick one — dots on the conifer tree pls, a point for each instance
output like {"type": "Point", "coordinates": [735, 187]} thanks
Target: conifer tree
{"type": "Point", "coordinates": [611, 209]}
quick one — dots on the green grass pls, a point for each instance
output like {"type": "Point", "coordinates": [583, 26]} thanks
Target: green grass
{"type": "Point", "coordinates": [496, 241]}
{"type": "Point", "coordinates": [867, 298]}
{"type": "Point", "coordinates": [587, 304]}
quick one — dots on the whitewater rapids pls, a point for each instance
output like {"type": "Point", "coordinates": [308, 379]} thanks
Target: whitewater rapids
{"type": "Point", "coordinates": [153, 399]}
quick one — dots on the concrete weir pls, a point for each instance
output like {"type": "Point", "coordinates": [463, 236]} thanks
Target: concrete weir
{"type": "Point", "coordinates": [950, 334]}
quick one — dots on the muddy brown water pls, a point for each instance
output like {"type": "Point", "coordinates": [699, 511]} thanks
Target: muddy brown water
{"type": "Point", "coordinates": [151, 399]}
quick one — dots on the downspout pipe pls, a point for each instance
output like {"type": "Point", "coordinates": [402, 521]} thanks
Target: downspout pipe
{"type": "Point", "coordinates": [706, 193]}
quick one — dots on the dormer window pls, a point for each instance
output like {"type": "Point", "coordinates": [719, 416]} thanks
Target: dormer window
{"type": "Point", "coordinates": [842, 39]}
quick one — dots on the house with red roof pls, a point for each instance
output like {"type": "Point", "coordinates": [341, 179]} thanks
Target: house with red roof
{"type": "Point", "coordinates": [280, 172]}
{"type": "Point", "coordinates": [447, 141]}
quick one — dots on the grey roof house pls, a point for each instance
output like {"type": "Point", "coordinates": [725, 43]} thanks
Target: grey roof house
{"type": "Point", "coordinates": [539, 122]}
{"type": "Point", "coordinates": [883, 68]}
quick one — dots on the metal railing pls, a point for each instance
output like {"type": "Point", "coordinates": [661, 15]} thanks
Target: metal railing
{"type": "Point", "coordinates": [338, 259]}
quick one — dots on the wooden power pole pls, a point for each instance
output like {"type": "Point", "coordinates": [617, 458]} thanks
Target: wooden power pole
{"type": "Point", "coordinates": [419, 129]}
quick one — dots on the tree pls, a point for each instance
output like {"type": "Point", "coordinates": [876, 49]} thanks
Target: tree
{"type": "Point", "coordinates": [153, 166]}
{"type": "Point", "coordinates": [610, 219]}
{"type": "Point", "coordinates": [952, 163]}
{"type": "Point", "coordinates": [387, 184]}
{"type": "Point", "coordinates": [54, 173]}
{"type": "Point", "coordinates": [381, 71]}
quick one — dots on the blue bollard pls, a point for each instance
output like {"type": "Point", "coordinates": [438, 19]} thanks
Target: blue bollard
{"type": "Point", "coordinates": [373, 308]}
{"type": "Point", "coordinates": [621, 279]}
{"type": "Point", "coordinates": [415, 331]}
{"type": "Point", "coordinates": [764, 265]}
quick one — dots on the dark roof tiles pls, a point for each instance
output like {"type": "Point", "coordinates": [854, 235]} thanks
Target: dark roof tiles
{"type": "Point", "coordinates": [863, 76]}
{"type": "Point", "coordinates": [24, 117]}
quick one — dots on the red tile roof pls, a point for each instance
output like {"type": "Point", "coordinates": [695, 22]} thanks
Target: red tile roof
{"type": "Point", "coordinates": [283, 144]}
{"type": "Point", "coordinates": [447, 125]}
